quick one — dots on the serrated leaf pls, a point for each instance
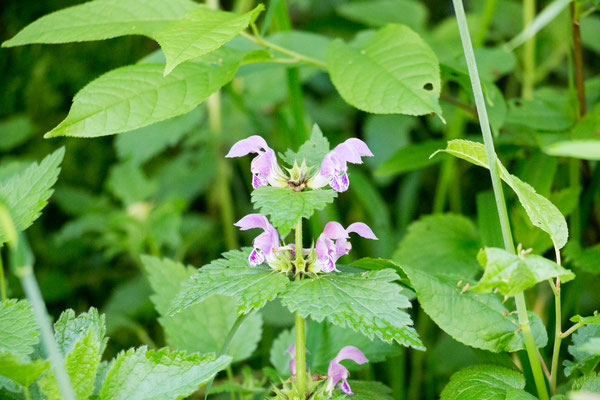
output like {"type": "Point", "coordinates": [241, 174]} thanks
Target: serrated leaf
{"type": "Point", "coordinates": [476, 319]}
{"type": "Point", "coordinates": [22, 372]}
{"type": "Point", "coordinates": [512, 274]}
{"type": "Point", "coordinates": [103, 19]}
{"type": "Point", "coordinates": [201, 31]}
{"type": "Point", "coordinates": [159, 375]}
{"type": "Point", "coordinates": [367, 390]}
{"type": "Point", "coordinates": [232, 275]}
{"type": "Point", "coordinates": [586, 384]}
{"type": "Point", "coordinates": [356, 301]}
{"type": "Point", "coordinates": [26, 193]}
{"type": "Point", "coordinates": [540, 210]}
{"type": "Point", "coordinates": [312, 151]}
{"type": "Point", "coordinates": [409, 158]}
{"type": "Point", "coordinates": [285, 206]}
{"type": "Point", "coordinates": [486, 382]}
{"type": "Point", "coordinates": [70, 329]}
{"type": "Point", "coordinates": [202, 327]}
{"type": "Point", "coordinates": [593, 320]}
{"type": "Point", "coordinates": [18, 329]}
{"type": "Point", "coordinates": [382, 12]}
{"type": "Point", "coordinates": [135, 96]}
{"type": "Point", "coordinates": [582, 360]}
{"type": "Point", "coordinates": [395, 72]}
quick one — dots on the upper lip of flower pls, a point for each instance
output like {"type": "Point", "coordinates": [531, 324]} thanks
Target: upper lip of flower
{"type": "Point", "coordinates": [333, 243]}
{"type": "Point", "coordinates": [265, 243]}
{"type": "Point", "coordinates": [337, 372]}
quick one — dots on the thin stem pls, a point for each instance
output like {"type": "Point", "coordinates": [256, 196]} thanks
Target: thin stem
{"type": "Point", "coordinates": [229, 372]}
{"type": "Point", "coordinates": [528, 51]}
{"type": "Point", "coordinates": [486, 19]}
{"type": "Point", "coordinates": [309, 60]}
{"type": "Point", "coordinates": [2, 287]}
{"type": "Point", "coordinates": [544, 366]}
{"type": "Point", "coordinates": [300, 326]}
{"type": "Point", "coordinates": [577, 57]}
{"type": "Point", "coordinates": [571, 330]}
{"type": "Point", "coordinates": [557, 327]}
{"type": "Point", "coordinates": [500, 201]}
{"type": "Point", "coordinates": [460, 104]}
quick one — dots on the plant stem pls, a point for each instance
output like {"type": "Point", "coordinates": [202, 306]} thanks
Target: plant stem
{"type": "Point", "coordinates": [528, 51]}
{"type": "Point", "coordinates": [299, 321]}
{"type": "Point", "coordinates": [2, 287]}
{"type": "Point", "coordinates": [259, 40]}
{"type": "Point", "coordinates": [498, 193]}
{"type": "Point", "coordinates": [557, 327]}
{"type": "Point", "coordinates": [577, 57]}
{"type": "Point", "coordinates": [571, 330]}
{"type": "Point", "coordinates": [486, 18]}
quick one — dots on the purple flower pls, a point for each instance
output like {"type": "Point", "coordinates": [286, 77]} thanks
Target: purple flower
{"type": "Point", "coordinates": [333, 243]}
{"type": "Point", "coordinates": [265, 243]}
{"type": "Point", "coordinates": [337, 372]}
{"type": "Point", "coordinates": [334, 169]}
{"type": "Point", "coordinates": [264, 167]}
{"type": "Point", "coordinates": [292, 352]}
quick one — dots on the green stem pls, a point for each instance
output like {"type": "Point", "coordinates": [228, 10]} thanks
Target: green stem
{"type": "Point", "coordinates": [486, 19]}
{"type": "Point", "coordinates": [577, 57]}
{"type": "Point", "coordinates": [309, 60]}
{"type": "Point", "coordinates": [557, 327]}
{"type": "Point", "coordinates": [26, 393]}
{"type": "Point", "coordinates": [229, 372]}
{"type": "Point", "coordinates": [498, 193]}
{"type": "Point", "coordinates": [299, 321]}
{"type": "Point", "coordinates": [2, 287]}
{"type": "Point", "coordinates": [528, 51]}
{"type": "Point", "coordinates": [571, 330]}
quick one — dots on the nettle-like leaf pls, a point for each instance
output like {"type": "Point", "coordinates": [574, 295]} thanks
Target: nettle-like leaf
{"type": "Point", "coordinates": [232, 275]}
{"type": "Point", "coordinates": [285, 206]}
{"type": "Point", "coordinates": [366, 390]}
{"type": "Point", "coordinates": [26, 192]}
{"type": "Point", "coordinates": [583, 360]}
{"type": "Point", "coordinates": [70, 329]}
{"type": "Point", "coordinates": [159, 375]}
{"type": "Point", "coordinates": [540, 210]}
{"type": "Point", "coordinates": [587, 384]}
{"type": "Point", "coordinates": [312, 151]}
{"type": "Point", "coordinates": [138, 95]}
{"type": "Point", "coordinates": [395, 72]}
{"type": "Point", "coordinates": [369, 303]}
{"type": "Point", "coordinates": [489, 382]}
{"type": "Point", "coordinates": [202, 327]}
{"type": "Point", "coordinates": [512, 274]}
{"type": "Point", "coordinates": [201, 31]}
{"type": "Point", "coordinates": [22, 372]}
{"type": "Point", "coordinates": [18, 329]}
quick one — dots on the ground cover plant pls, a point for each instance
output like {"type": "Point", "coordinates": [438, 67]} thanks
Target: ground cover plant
{"type": "Point", "coordinates": [387, 199]}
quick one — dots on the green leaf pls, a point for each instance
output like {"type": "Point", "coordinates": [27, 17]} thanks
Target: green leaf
{"type": "Point", "coordinates": [587, 259]}
{"type": "Point", "coordinates": [22, 372]}
{"type": "Point", "coordinates": [26, 193]}
{"type": "Point", "coordinates": [18, 329]}
{"type": "Point", "coordinates": [409, 158]}
{"type": "Point", "coordinates": [128, 183]}
{"type": "Point", "coordinates": [202, 327]}
{"type": "Point", "coordinates": [478, 320]}
{"type": "Point", "coordinates": [382, 12]}
{"type": "Point", "coordinates": [593, 320]}
{"type": "Point", "coordinates": [582, 142]}
{"type": "Point", "coordinates": [512, 274]}
{"type": "Point", "coordinates": [142, 144]}
{"type": "Point", "coordinates": [540, 210]}
{"type": "Point", "coordinates": [286, 206]}
{"type": "Point", "coordinates": [548, 111]}
{"type": "Point", "coordinates": [309, 44]}
{"type": "Point", "coordinates": [103, 19]}
{"type": "Point", "coordinates": [71, 329]}
{"type": "Point", "coordinates": [368, 390]}
{"type": "Point", "coordinates": [395, 72]}
{"type": "Point", "coordinates": [583, 360]}
{"type": "Point", "coordinates": [312, 151]}
{"type": "Point", "coordinates": [486, 382]}
{"type": "Point", "coordinates": [201, 31]}
{"type": "Point", "coordinates": [232, 275]}
{"type": "Point", "coordinates": [159, 375]}
{"type": "Point", "coordinates": [14, 131]}
{"type": "Point", "coordinates": [355, 301]}
{"type": "Point", "coordinates": [444, 245]}
{"type": "Point", "coordinates": [138, 95]}
{"type": "Point", "coordinates": [587, 384]}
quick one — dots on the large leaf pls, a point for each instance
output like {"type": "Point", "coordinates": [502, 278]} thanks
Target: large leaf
{"type": "Point", "coordinates": [158, 375]}
{"type": "Point", "coordinates": [540, 210]}
{"type": "Point", "coordinates": [285, 206]}
{"type": "Point", "coordinates": [382, 12]}
{"type": "Point", "coordinates": [512, 274]}
{"type": "Point", "coordinates": [369, 303]}
{"type": "Point", "coordinates": [22, 372]}
{"type": "Point", "coordinates": [26, 192]}
{"type": "Point", "coordinates": [202, 327]}
{"type": "Point", "coordinates": [201, 31]}
{"type": "Point", "coordinates": [393, 72]}
{"type": "Point", "coordinates": [138, 95]}
{"type": "Point", "coordinates": [103, 19]}
{"type": "Point", "coordinates": [486, 382]}
{"type": "Point", "coordinates": [476, 319]}
{"type": "Point", "coordinates": [18, 330]}
{"type": "Point", "coordinates": [232, 275]}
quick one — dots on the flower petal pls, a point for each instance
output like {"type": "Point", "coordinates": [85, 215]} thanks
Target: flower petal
{"type": "Point", "coordinates": [345, 387]}
{"type": "Point", "coordinates": [362, 229]}
{"type": "Point", "coordinates": [350, 353]}
{"type": "Point", "coordinates": [334, 230]}
{"type": "Point", "coordinates": [251, 221]}
{"type": "Point", "coordinates": [352, 150]}
{"type": "Point", "coordinates": [252, 144]}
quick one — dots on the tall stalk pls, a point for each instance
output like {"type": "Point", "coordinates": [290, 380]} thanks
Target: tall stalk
{"type": "Point", "coordinates": [528, 51]}
{"type": "Point", "coordinates": [530, 346]}
{"type": "Point", "coordinates": [299, 321]}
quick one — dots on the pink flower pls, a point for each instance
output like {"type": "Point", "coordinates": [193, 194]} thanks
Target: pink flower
{"type": "Point", "coordinates": [264, 167]}
{"type": "Point", "coordinates": [333, 243]}
{"type": "Point", "coordinates": [334, 165]}
{"type": "Point", "coordinates": [337, 372]}
{"type": "Point", "coordinates": [265, 243]}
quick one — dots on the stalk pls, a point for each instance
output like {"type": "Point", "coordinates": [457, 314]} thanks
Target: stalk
{"type": "Point", "coordinates": [299, 322]}
{"type": "Point", "coordinates": [2, 287]}
{"type": "Point", "coordinates": [498, 194]}
{"type": "Point", "coordinates": [528, 51]}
